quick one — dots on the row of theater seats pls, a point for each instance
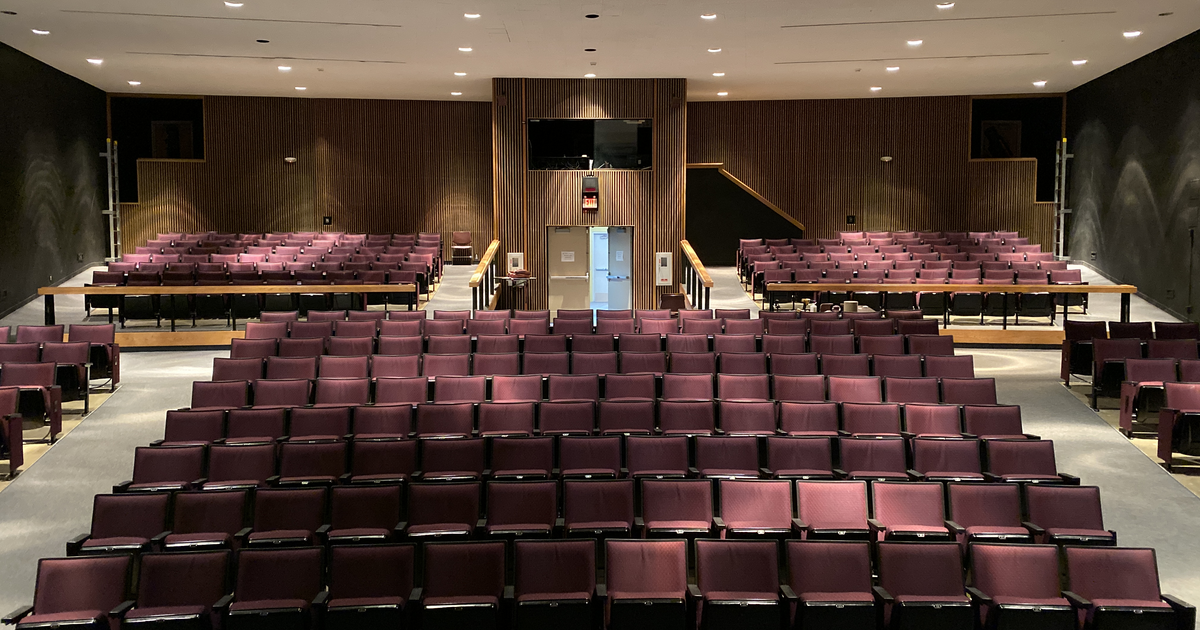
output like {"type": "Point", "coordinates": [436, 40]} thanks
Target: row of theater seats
{"type": "Point", "coordinates": [644, 584]}
{"type": "Point", "coordinates": [339, 392]}
{"type": "Point", "coordinates": [320, 241]}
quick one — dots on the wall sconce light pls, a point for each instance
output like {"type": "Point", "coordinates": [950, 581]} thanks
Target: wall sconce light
{"type": "Point", "coordinates": [289, 160]}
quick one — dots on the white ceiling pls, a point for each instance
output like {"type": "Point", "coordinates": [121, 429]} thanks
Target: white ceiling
{"type": "Point", "coordinates": [771, 49]}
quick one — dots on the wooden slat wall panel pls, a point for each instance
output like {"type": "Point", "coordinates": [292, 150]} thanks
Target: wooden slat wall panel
{"type": "Point", "coordinates": [529, 201]}
{"type": "Point", "coordinates": [819, 161]}
{"type": "Point", "coordinates": [379, 166]}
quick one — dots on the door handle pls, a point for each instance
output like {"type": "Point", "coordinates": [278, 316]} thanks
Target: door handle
{"type": "Point", "coordinates": [583, 277]}
{"type": "Point", "coordinates": [618, 277]}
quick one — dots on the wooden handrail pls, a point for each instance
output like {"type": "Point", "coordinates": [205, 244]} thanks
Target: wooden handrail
{"type": "Point", "coordinates": [484, 263]}
{"type": "Point", "coordinates": [696, 264]}
{"type": "Point", "coordinates": [228, 289]}
{"type": "Point", "coordinates": [791, 287]}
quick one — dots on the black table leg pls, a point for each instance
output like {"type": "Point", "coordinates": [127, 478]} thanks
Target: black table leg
{"type": "Point", "coordinates": [49, 309]}
{"type": "Point", "coordinates": [1004, 310]}
{"type": "Point", "coordinates": [1124, 308]}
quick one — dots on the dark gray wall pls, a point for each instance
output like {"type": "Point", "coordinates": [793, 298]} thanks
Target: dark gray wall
{"type": "Point", "coordinates": [1135, 180]}
{"type": "Point", "coordinates": [719, 213]}
{"type": "Point", "coordinates": [52, 130]}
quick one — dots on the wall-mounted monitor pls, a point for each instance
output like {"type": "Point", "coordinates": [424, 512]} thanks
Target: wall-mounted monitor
{"type": "Point", "coordinates": [582, 145]}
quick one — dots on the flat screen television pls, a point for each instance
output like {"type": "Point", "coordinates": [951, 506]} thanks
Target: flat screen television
{"type": "Point", "coordinates": [581, 145]}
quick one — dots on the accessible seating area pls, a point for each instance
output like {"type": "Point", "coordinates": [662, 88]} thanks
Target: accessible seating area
{"type": "Point", "coordinates": [986, 258]}
{"type": "Point", "coordinates": [336, 497]}
{"type": "Point", "coordinates": [297, 258]}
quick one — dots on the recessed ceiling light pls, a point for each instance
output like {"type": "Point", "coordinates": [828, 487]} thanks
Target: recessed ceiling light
{"type": "Point", "coordinates": [893, 68]}
{"type": "Point", "coordinates": [470, 16]}
{"type": "Point", "coordinates": [876, 89]}
{"type": "Point", "coordinates": [722, 93]}
{"type": "Point", "coordinates": [460, 74]}
{"type": "Point", "coordinates": [285, 68]}
{"type": "Point", "coordinates": [1079, 62]}
{"type": "Point", "coordinates": [915, 42]}
{"type": "Point", "coordinates": [714, 50]}
{"type": "Point", "coordinates": [301, 89]}
{"type": "Point", "coordinates": [135, 83]}
{"type": "Point", "coordinates": [945, 5]}
{"type": "Point", "coordinates": [465, 49]}
{"type": "Point", "coordinates": [456, 94]}
{"type": "Point", "coordinates": [40, 32]}
{"type": "Point", "coordinates": [234, 5]}
{"type": "Point", "coordinates": [1132, 34]}
{"type": "Point", "coordinates": [95, 62]}
{"type": "Point", "coordinates": [1039, 84]}
{"type": "Point", "coordinates": [590, 75]}
{"type": "Point", "coordinates": [708, 16]}
{"type": "Point", "coordinates": [718, 74]}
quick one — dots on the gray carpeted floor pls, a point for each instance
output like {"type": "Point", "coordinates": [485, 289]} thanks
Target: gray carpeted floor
{"type": "Point", "coordinates": [453, 292]}
{"type": "Point", "coordinates": [51, 502]}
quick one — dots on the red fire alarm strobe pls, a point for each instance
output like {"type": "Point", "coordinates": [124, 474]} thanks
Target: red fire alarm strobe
{"type": "Point", "coordinates": [591, 193]}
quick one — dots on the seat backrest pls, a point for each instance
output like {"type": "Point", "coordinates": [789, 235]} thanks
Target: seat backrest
{"type": "Point", "coordinates": [872, 455]}
{"type": "Point", "coordinates": [978, 504]}
{"type": "Point", "coordinates": [992, 420]}
{"type": "Point", "coordinates": [84, 583]}
{"type": "Point", "coordinates": [1021, 457]}
{"type": "Point", "coordinates": [828, 567]}
{"type": "Point", "coordinates": [756, 504]}
{"type": "Point", "coordinates": [837, 505]}
{"type": "Point", "coordinates": [209, 512]}
{"type": "Point", "coordinates": [1182, 396]}
{"type": "Point", "coordinates": [464, 568]}
{"type": "Point", "coordinates": [749, 566]}
{"type": "Point", "coordinates": [646, 566]}
{"type": "Point", "coordinates": [556, 566]}
{"type": "Point", "coordinates": [917, 569]}
{"type": "Point", "coordinates": [278, 574]}
{"type": "Point", "coordinates": [1109, 573]}
{"type": "Point", "coordinates": [359, 571]}
{"type": "Point", "coordinates": [182, 579]}
{"type": "Point", "coordinates": [1064, 507]}
{"type": "Point", "coordinates": [932, 419]}
{"type": "Point", "coordinates": [906, 503]}
{"type": "Point", "coordinates": [289, 508]}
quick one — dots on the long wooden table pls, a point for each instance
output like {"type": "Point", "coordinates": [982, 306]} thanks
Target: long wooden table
{"type": "Point", "coordinates": [1125, 290]}
{"type": "Point", "coordinates": [48, 293]}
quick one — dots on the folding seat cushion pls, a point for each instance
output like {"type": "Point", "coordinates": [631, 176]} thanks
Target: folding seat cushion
{"type": "Point", "coordinates": [629, 387]}
{"type": "Point", "coordinates": [727, 457]}
{"type": "Point", "coordinates": [237, 369]}
{"type": "Point", "coordinates": [1142, 391]}
{"type": "Point", "coordinates": [240, 466]}
{"type": "Point", "coordinates": [124, 523]}
{"type": "Point", "coordinates": [986, 513]}
{"type": "Point", "coordinates": [676, 507]}
{"type": "Point", "coordinates": [741, 417]}
{"type": "Point", "coordinates": [657, 457]}
{"type": "Point", "coordinates": [950, 367]}
{"type": "Point", "coordinates": [1024, 461]}
{"type": "Point", "coordinates": [1113, 586]}
{"type": "Point", "coordinates": [865, 389]}
{"type": "Point", "coordinates": [921, 585]}
{"type": "Point", "coordinates": [969, 391]}
{"type": "Point", "coordinates": [207, 520]}
{"type": "Point", "coordinates": [687, 387]}
{"type": "Point", "coordinates": [276, 584]}
{"type": "Point", "coordinates": [311, 463]}
{"type": "Point", "coordinates": [598, 508]}
{"type": "Point", "coordinates": [287, 517]}
{"type": "Point", "coordinates": [911, 390]}
{"type": "Point", "coordinates": [77, 592]}
{"type": "Point", "coordinates": [382, 461]}
{"type": "Point", "coordinates": [994, 422]}
{"type": "Point", "coordinates": [164, 469]}
{"type": "Point", "coordinates": [1067, 515]}
{"type": "Point", "coordinates": [180, 587]}
{"type": "Point", "coordinates": [938, 459]}
{"type": "Point", "coordinates": [521, 508]}
{"type": "Point", "coordinates": [875, 458]}
{"type": "Point", "coordinates": [463, 584]}
{"type": "Point", "coordinates": [629, 417]}
{"type": "Point", "coordinates": [442, 509]}
{"type": "Point", "coordinates": [646, 582]}
{"type": "Point", "coordinates": [287, 368]}
{"type": "Point", "coordinates": [832, 510]}
{"type": "Point", "coordinates": [369, 584]}
{"type": "Point", "coordinates": [453, 460]}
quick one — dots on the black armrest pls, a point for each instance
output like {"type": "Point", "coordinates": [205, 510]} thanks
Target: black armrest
{"type": "Point", "coordinates": [787, 592]}
{"type": "Point", "coordinates": [694, 592]}
{"type": "Point", "coordinates": [160, 537]}
{"type": "Point", "coordinates": [121, 609]}
{"type": "Point", "coordinates": [624, 472]}
{"type": "Point", "coordinates": [560, 523]}
{"type": "Point", "coordinates": [272, 480]}
{"type": "Point", "coordinates": [601, 592]}
{"type": "Point", "coordinates": [157, 443]}
{"type": "Point", "coordinates": [766, 472]}
{"type": "Point", "coordinates": [1070, 480]}
{"type": "Point", "coordinates": [799, 525]}
{"type": "Point", "coordinates": [324, 529]}
{"type": "Point", "coordinates": [692, 471]}
{"type": "Point", "coordinates": [990, 478]}
{"type": "Point", "coordinates": [1030, 436]}
{"type": "Point", "coordinates": [639, 523]}
{"type": "Point", "coordinates": [196, 483]}
{"type": "Point", "coordinates": [719, 523]}
{"type": "Point", "coordinates": [882, 595]}
{"type": "Point", "coordinates": [1076, 600]}
{"type": "Point", "coordinates": [970, 436]}
{"type": "Point", "coordinates": [417, 594]}
{"type": "Point", "coordinates": [838, 472]}
{"type": "Point", "coordinates": [915, 475]}
{"type": "Point", "coordinates": [344, 478]}
{"type": "Point", "coordinates": [843, 433]}
{"type": "Point", "coordinates": [978, 596]}
{"type": "Point", "coordinates": [480, 524]}
{"type": "Point", "coordinates": [400, 527]}
{"type": "Point", "coordinates": [243, 533]}
{"type": "Point", "coordinates": [320, 599]}
{"type": "Point", "coordinates": [76, 543]}
{"type": "Point", "coordinates": [509, 593]}
{"type": "Point", "coordinates": [17, 615]}
{"type": "Point", "coordinates": [223, 603]}
{"type": "Point", "coordinates": [955, 527]}
{"type": "Point", "coordinates": [1033, 529]}
{"type": "Point", "coordinates": [875, 525]}
{"type": "Point", "coordinates": [907, 435]}
{"type": "Point", "coordinates": [1185, 612]}
{"type": "Point", "coordinates": [123, 486]}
